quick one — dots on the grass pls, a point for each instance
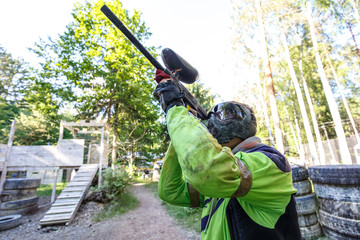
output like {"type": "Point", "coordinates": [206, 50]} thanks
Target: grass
{"type": "Point", "coordinates": [123, 203]}
{"type": "Point", "coordinates": [188, 217]}
{"type": "Point", "coordinates": [46, 190]}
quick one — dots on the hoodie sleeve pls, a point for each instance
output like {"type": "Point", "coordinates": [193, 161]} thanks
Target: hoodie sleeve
{"type": "Point", "coordinates": [172, 187]}
{"type": "Point", "coordinates": [210, 168]}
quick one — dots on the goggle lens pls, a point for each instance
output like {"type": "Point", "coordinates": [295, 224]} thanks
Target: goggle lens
{"type": "Point", "coordinates": [227, 111]}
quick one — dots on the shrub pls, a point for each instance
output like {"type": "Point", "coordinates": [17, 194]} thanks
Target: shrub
{"type": "Point", "coordinates": [114, 183]}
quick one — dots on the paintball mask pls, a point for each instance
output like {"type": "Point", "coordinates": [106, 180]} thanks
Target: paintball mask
{"type": "Point", "coordinates": [229, 120]}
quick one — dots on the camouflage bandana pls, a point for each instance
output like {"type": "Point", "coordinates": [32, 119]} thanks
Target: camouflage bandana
{"type": "Point", "coordinates": [243, 125]}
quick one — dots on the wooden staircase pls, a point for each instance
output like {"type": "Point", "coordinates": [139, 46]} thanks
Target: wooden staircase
{"type": "Point", "coordinates": [63, 210]}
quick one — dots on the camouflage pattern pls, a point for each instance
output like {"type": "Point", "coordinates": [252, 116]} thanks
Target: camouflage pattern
{"type": "Point", "coordinates": [225, 130]}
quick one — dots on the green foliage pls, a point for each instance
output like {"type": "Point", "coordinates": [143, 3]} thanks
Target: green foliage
{"type": "Point", "coordinates": [13, 76]}
{"type": "Point", "coordinates": [202, 94]}
{"type": "Point", "coordinates": [114, 183]}
{"type": "Point", "coordinates": [93, 66]}
{"type": "Point", "coordinates": [337, 30]}
{"type": "Point", "coordinates": [8, 113]}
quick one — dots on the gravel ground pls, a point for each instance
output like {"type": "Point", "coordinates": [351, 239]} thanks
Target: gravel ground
{"type": "Point", "coordinates": [148, 221]}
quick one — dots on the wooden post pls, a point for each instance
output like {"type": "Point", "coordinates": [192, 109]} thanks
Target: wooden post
{"type": "Point", "coordinates": [75, 133]}
{"type": "Point", "coordinates": [89, 154]}
{"type": "Point", "coordinates": [61, 131]}
{"type": "Point", "coordinates": [101, 155]}
{"type": "Point", "coordinates": [7, 156]}
{"type": "Point", "coordinates": [53, 193]}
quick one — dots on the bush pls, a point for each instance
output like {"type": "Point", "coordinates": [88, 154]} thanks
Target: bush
{"type": "Point", "coordinates": [114, 184]}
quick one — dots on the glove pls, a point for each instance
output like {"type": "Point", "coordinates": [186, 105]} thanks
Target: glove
{"type": "Point", "coordinates": [168, 95]}
{"type": "Point", "coordinates": [161, 75]}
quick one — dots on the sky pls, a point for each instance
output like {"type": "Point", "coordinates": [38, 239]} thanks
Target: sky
{"type": "Point", "coordinates": [199, 31]}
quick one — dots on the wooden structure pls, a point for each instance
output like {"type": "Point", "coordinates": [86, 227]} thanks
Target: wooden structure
{"type": "Point", "coordinates": [68, 202]}
{"type": "Point", "coordinates": [91, 127]}
{"type": "Point", "coordinates": [67, 154]}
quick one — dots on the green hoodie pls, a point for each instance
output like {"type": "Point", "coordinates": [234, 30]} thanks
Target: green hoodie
{"type": "Point", "coordinates": [195, 159]}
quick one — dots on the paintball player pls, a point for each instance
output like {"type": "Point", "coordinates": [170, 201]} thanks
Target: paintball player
{"type": "Point", "coordinates": [244, 186]}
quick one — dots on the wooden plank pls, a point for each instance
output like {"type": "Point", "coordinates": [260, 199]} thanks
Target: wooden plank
{"type": "Point", "coordinates": [81, 179]}
{"type": "Point", "coordinates": [82, 189]}
{"type": "Point", "coordinates": [71, 184]}
{"type": "Point", "coordinates": [63, 204]}
{"type": "Point", "coordinates": [83, 176]}
{"type": "Point", "coordinates": [56, 217]}
{"type": "Point", "coordinates": [48, 223]}
{"type": "Point", "coordinates": [85, 168]}
{"type": "Point", "coordinates": [70, 195]}
{"type": "Point", "coordinates": [86, 171]}
{"type": "Point", "coordinates": [82, 197]}
{"type": "Point", "coordinates": [62, 208]}
{"type": "Point", "coordinates": [74, 189]}
{"type": "Point", "coordinates": [70, 199]}
{"type": "Point", "coordinates": [60, 211]}
{"type": "Point", "coordinates": [60, 200]}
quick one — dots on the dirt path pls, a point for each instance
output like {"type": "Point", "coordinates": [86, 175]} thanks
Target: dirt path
{"type": "Point", "coordinates": [149, 221]}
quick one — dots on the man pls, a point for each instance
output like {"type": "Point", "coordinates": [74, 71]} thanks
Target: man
{"type": "Point", "coordinates": [244, 186]}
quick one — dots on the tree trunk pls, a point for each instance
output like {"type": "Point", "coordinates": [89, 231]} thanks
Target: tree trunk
{"type": "Point", "coordinates": [115, 136]}
{"type": "Point", "coordinates": [312, 113]}
{"type": "Point", "coordinates": [292, 131]}
{"type": "Point", "coordinates": [269, 80]}
{"type": "Point", "coordinates": [310, 138]}
{"type": "Point", "coordinates": [344, 150]}
{"type": "Point", "coordinates": [131, 162]}
{"type": "Point", "coordinates": [113, 149]}
{"type": "Point", "coordinates": [341, 90]}
{"type": "Point", "coordinates": [302, 152]}
{"type": "Point", "coordinates": [263, 104]}
{"type": "Point", "coordinates": [353, 37]}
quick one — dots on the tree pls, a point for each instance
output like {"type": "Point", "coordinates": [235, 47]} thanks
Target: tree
{"type": "Point", "coordinates": [202, 94]}
{"type": "Point", "coordinates": [8, 113]}
{"type": "Point", "coordinates": [93, 66]}
{"type": "Point", "coordinates": [35, 128]}
{"type": "Point", "coordinates": [301, 102]}
{"type": "Point", "coordinates": [344, 150]}
{"type": "Point", "coordinates": [13, 76]}
{"type": "Point", "coordinates": [269, 79]}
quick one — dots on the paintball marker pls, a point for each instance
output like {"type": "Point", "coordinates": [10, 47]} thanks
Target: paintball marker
{"type": "Point", "coordinates": [176, 67]}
